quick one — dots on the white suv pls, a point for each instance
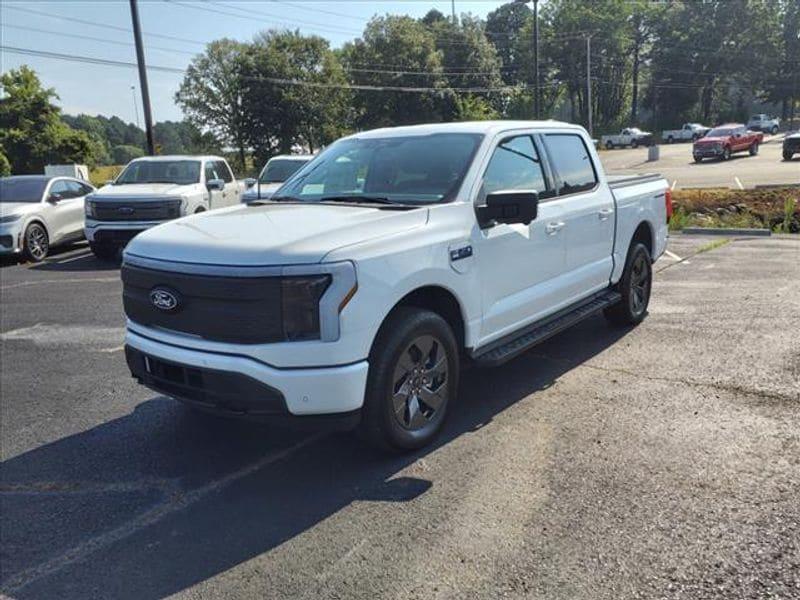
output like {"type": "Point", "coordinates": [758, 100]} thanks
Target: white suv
{"type": "Point", "coordinates": [355, 293]}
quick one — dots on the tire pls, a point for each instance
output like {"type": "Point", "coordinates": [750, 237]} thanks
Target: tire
{"type": "Point", "coordinates": [107, 252]}
{"type": "Point", "coordinates": [726, 154]}
{"type": "Point", "coordinates": [698, 159]}
{"type": "Point", "coordinates": [36, 243]}
{"type": "Point", "coordinates": [635, 286]}
{"type": "Point", "coordinates": [634, 144]}
{"type": "Point", "coordinates": [414, 359]}
{"type": "Point", "coordinates": [787, 155]}
{"type": "Point", "coordinates": [695, 137]}
{"type": "Point", "coordinates": [774, 130]}
{"type": "Point", "coordinates": [609, 146]}
{"type": "Point", "coordinates": [200, 210]}
{"type": "Point", "coordinates": [670, 140]}
{"type": "Point", "coordinates": [754, 149]}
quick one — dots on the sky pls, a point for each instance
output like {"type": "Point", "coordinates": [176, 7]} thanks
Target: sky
{"type": "Point", "coordinates": [186, 26]}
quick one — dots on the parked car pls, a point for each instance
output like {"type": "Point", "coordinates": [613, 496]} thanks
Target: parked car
{"type": "Point", "coordinates": [357, 290]}
{"type": "Point", "coordinates": [155, 189]}
{"type": "Point", "coordinates": [38, 212]}
{"type": "Point", "coordinates": [764, 123]}
{"type": "Point", "coordinates": [277, 170]}
{"type": "Point", "coordinates": [689, 131]}
{"type": "Point", "coordinates": [725, 140]}
{"type": "Point", "coordinates": [630, 136]}
{"type": "Point", "coordinates": [791, 145]}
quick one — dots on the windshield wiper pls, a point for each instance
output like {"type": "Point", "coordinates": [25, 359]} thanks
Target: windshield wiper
{"type": "Point", "coordinates": [281, 198]}
{"type": "Point", "coordinates": [357, 199]}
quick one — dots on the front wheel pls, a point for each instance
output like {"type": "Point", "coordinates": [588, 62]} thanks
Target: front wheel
{"type": "Point", "coordinates": [754, 149]}
{"type": "Point", "coordinates": [609, 146]}
{"type": "Point", "coordinates": [413, 379]}
{"type": "Point", "coordinates": [726, 154]}
{"type": "Point", "coordinates": [104, 251]}
{"type": "Point", "coordinates": [787, 155]}
{"type": "Point", "coordinates": [774, 130]}
{"type": "Point", "coordinates": [634, 144]}
{"type": "Point", "coordinates": [634, 286]}
{"type": "Point", "coordinates": [698, 159]}
{"type": "Point", "coordinates": [36, 242]}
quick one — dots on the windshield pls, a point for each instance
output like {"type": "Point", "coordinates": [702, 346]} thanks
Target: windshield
{"type": "Point", "coordinates": [180, 172]}
{"type": "Point", "coordinates": [279, 170]}
{"type": "Point", "coordinates": [21, 190]}
{"type": "Point", "coordinates": [407, 169]}
{"type": "Point", "coordinates": [721, 132]}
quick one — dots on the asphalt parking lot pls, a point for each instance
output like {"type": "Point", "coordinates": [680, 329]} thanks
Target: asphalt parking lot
{"type": "Point", "coordinates": [659, 462]}
{"type": "Point", "coordinates": [677, 166]}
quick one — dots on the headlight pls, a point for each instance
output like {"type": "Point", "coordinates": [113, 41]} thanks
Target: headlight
{"type": "Point", "coordinates": [9, 218]}
{"type": "Point", "coordinates": [88, 208]}
{"type": "Point", "coordinates": [312, 299]}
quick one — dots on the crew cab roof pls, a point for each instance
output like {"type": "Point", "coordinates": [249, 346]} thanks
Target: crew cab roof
{"type": "Point", "coordinates": [480, 127]}
{"type": "Point", "coordinates": [179, 157]}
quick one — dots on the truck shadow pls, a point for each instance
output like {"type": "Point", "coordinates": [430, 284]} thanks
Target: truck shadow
{"type": "Point", "coordinates": [159, 500]}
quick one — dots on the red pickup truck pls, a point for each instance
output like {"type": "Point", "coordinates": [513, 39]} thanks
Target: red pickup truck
{"type": "Point", "coordinates": [724, 140]}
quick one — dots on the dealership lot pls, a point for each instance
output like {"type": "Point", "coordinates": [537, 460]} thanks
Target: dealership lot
{"type": "Point", "coordinates": [661, 461]}
{"type": "Point", "coordinates": [678, 167]}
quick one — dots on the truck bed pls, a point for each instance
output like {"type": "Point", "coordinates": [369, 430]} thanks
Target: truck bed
{"type": "Point", "coordinates": [621, 181]}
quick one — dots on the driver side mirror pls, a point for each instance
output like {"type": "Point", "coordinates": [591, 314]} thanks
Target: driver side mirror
{"type": "Point", "coordinates": [249, 182]}
{"type": "Point", "coordinates": [54, 198]}
{"type": "Point", "coordinates": [508, 207]}
{"type": "Point", "coordinates": [215, 184]}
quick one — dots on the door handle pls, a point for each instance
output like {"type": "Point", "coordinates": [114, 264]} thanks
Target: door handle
{"type": "Point", "coordinates": [605, 213]}
{"type": "Point", "coordinates": [554, 227]}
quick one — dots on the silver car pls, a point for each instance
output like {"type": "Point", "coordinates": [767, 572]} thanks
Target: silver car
{"type": "Point", "coordinates": [38, 211]}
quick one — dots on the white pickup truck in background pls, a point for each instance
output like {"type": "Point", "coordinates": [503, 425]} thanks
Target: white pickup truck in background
{"type": "Point", "coordinates": [154, 189]}
{"type": "Point", "coordinates": [356, 292]}
{"type": "Point", "coordinates": [630, 136]}
{"type": "Point", "coordinates": [688, 133]}
{"type": "Point", "coordinates": [764, 123]}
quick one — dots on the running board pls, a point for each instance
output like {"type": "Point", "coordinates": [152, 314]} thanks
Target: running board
{"type": "Point", "coordinates": [512, 346]}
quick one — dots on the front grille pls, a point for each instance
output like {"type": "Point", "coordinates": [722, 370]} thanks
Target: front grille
{"type": "Point", "coordinates": [156, 210]}
{"type": "Point", "coordinates": [241, 310]}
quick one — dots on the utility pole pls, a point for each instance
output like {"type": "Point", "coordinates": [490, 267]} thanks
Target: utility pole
{"type": "Point", "coordinates": [148, 117]}
{"type": "Point", "coordinates": [536, 104]}
{"type": "Point", "coordinates": [135, 106]}
{"type": "Point", "coordinates": [453, 6]}
{"type": "Point", "coordinates": [589, 81]}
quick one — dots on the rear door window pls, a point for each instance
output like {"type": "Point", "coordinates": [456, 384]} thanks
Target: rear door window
{"type": "Point", "coordinates": [223, 171]}
{"type": "Point", "coordinates": [572, 163]}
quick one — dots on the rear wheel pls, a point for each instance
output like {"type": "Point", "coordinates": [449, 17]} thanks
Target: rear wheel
{"type": "Point", "coordinates": [754, 149]}
{"type": "Point", "coordinates": [635, 285]}
{"type": "Point", "coordinates": [634, 144]}
{"type": "Point", "coordinates": [104, 251]}
{"type": "Point", "coordinates": [774, 130]}
{"type": "Point", "coordinates": [609, 146]}
{"type": "Point", "coordinates": [670, 140]}
{"type": "Point", "coordinates": [413, 379]}
{"type": "Point", "coordinates": [36, 242]}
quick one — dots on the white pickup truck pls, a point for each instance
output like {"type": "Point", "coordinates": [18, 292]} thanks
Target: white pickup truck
{"type": "Point", "coordinates": [764, 123]}
{"type": "Point", "coordinates": [152, 190]}
{"type": "Point", "coordinates": [357, 292]}
{"type": "Point", "coordinates": [630, 136]}
{"type": "Point", "coordinates": [688, 133]}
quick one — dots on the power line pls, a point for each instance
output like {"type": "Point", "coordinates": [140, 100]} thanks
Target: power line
{"type": "Point", "coordinates": [85, 59]}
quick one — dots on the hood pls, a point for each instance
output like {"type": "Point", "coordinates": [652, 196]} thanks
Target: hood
{"type": "Point", "coordinates": [711, 140]}
{"type": "Point", "coordinates": [18, 208]}
{"type": "Point", "coordinates": [275, 234]}
{"type": "Point", "coordinates": [132, 191]}
{"type": "Point", "coordinates": [793, 136]}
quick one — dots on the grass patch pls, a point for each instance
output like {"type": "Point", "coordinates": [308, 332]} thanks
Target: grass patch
{"type": "Point", "coordinates": [713, 245]}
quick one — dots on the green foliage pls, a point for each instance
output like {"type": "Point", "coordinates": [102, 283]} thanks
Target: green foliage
{"type": "Point", "coordinates": [31, 130]}
{"type": "Point", "coordinates": [5, 166]}
{"type": "Point", "coordinates": [124, 153]}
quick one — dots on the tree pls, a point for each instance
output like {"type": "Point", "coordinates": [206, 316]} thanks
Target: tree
{"type": "Point", "coordinates": [508, 28]}
{"type": "Point", "coordinates": [211, 94]}
{"type": "Point", "coordinates": [31, 130]}
{"type": "Point", "coordinates": [5, 166]}
{"type": "Point", "coordinates": [295, 93]}
{"type": "Point", "coordinates": [391, 53]}
{"type": "Point", "coordinates": [123, 154]}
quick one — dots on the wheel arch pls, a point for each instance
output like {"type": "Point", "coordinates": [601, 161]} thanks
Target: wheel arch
{"type": "Point", "coordinates": [39, 221]}
{"type": "Point", "coordinates": [643, 234]}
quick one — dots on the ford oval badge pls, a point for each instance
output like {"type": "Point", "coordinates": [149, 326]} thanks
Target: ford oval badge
{"type": "Point", "coordinates": [164, 299]}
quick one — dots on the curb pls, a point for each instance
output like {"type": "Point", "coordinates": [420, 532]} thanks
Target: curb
{"type": "Point", "coordinates": [720, 231]}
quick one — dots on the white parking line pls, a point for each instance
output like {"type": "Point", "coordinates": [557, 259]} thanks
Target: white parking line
{"type": "Point", "coordinates": [674, 183]}
{"type": "Point", "coordinates": [739, 183]}
{"type": "Point", "coordinates": [41, 281]}
{"type": "Point", "coordinates": [672, 255]}
{"type": "Point", "coordinates": [71, 258]}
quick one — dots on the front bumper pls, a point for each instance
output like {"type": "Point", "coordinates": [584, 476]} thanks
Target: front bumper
{"type": "Point", "coordinates": [242, 386]}
{"type": "Point", "coordinates": [115, 232]}
{"type": "Point", "coordinates": [11, 237]}
{"type": "Point", "coordinates": [707, 152]}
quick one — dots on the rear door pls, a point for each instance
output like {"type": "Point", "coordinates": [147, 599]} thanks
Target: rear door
{"type": "Point", "coordinates": [519, 264]}
{"type": "Point", "coordinates": [57, 212]}
{"type": "Point", "coordinates": [588, 213]}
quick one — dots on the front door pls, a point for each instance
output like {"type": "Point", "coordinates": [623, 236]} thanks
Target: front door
{"type": "Point", "coordinates": [215, 197]}
{"type": "Point", "coordinates": [519, 265]}
{"type": "Point", "coordinates": [63, 210]}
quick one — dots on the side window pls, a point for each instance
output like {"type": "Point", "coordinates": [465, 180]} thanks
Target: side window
{"type": "Point", "coordinates": [85, 189]}
{"type": "Point", "coordinates": [515, 165]}
{"type": "Point", "coordinates": [223, 171]}
{"type": "Point", "coordinates": [210, 172]}
{"type": "Point", "coordinates": [76, 189]}
{"type": "Point", "coordinates": [571, 162]}
{"type": "Point", "coordinates": [60, 187]}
